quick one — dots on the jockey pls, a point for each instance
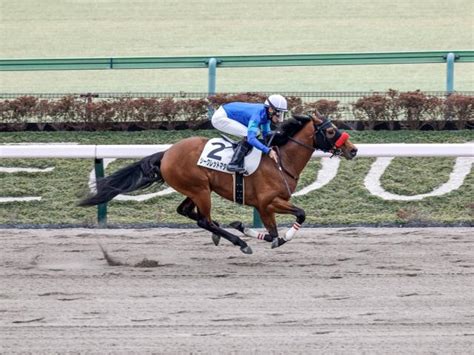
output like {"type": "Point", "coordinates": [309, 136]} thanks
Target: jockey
{"type": "Point", "coordinates": [248, 120]}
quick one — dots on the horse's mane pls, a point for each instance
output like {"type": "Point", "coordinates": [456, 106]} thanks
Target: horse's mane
{"type": "Point", "coordinates": [289, 128]}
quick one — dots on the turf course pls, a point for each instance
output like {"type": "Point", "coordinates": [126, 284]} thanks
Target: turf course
{"type": "Point", "coordinates": [110, 28]}
{"type": "Point", "coordinates": [343, 201]}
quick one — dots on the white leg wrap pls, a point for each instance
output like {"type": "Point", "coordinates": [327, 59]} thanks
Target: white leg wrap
{"type": "Point", "coordinates": [290, 233]}
{"type": "Point", "coordinates": [249, 232]}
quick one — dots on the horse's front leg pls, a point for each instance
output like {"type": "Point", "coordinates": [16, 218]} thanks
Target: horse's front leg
{"type": "Point", "coordinates": [282, 206]}
{"type": "Point", "coordinates": [250, 232]}
{"type": "Point", "coordinates": [268, 220]}
{"type": "Point", "coordinates": [267, 214]}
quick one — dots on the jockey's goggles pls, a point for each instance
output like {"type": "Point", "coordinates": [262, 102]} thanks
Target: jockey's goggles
{"type": "Point", "coordinates": [280, 114]}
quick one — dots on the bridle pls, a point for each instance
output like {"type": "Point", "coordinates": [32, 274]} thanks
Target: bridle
{"type": "Point", "coordinates": [322, 142]}
{"type": "Point", "coordinates": [332, 145]}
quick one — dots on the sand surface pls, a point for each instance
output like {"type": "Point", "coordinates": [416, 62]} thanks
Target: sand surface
{"type": "Point", "coordinates": [336, 291]}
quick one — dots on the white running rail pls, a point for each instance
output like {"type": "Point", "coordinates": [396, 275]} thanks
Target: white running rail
{"type": "Point", "coordinates": [62, 151]}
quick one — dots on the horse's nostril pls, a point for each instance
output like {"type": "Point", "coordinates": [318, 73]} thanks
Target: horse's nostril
{"type": "Point", "coordinates": [353, 152]}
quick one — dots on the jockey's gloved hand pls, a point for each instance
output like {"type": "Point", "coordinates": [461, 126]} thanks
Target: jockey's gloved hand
{"type": "Point", "coordinates": [272, 154]}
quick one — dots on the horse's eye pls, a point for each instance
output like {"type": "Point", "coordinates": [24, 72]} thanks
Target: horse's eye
{"type": "Point", "coordinates": [330, 132]}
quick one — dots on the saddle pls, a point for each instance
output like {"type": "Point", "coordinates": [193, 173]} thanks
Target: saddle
{"type": "Point", "coordinates": [218, 152]}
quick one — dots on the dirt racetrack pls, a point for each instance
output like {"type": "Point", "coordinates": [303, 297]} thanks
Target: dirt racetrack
{"type": "Point", "coordinates": [352, 290]}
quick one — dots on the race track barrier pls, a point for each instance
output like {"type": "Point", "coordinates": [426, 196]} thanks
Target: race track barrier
{"type": "Point", "coordinates": [101, 152]}
{"type": "Point", "coordinates": [244, 61]}
{"type": "Point", "coordinates": [132, 151]}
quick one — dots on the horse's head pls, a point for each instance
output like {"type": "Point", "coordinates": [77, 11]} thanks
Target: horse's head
{"type": "Point", "coordinates": [324, 135]}
{"type": "Point", "coordinates": [328, 138]}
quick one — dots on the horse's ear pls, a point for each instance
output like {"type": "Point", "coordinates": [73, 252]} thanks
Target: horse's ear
{"type": "Point", "coordinates": [317, 117]}
{"type": "Point", "coordinates": [318, 114]}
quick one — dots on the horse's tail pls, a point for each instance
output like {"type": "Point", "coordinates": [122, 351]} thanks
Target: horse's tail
{"type": "Point", "coordinates": [135, 176]}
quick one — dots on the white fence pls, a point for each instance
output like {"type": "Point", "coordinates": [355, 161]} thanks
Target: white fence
{"type": "Point", "coordinates": [50, 150]}
{"type": "Point", "coordinates": [384, 152]}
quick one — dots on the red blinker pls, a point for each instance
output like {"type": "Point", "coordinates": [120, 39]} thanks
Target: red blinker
{"type": "Point", "coordinates": [341, 140]}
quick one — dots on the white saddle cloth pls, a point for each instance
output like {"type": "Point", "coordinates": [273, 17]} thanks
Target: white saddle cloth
{"type": "Point", "coordinates": [217, 153]}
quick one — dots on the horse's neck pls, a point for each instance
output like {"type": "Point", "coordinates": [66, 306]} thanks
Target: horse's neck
{"type": "Point", "coordinates": [296, 156]}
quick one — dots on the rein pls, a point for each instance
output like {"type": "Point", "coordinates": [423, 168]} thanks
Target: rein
{"type": "Point", "coordinates": [281, 169]}
{"type": "Point", "coordinates": [302, 144]}
{"type": "Point", "coordinates": [280, 163]}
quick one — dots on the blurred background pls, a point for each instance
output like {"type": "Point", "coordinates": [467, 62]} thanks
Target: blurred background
{"type": "Point", "coordinates": [119, 28]}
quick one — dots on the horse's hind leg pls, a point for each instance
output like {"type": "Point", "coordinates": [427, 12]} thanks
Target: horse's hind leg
{"type": "Point", "coordinates": [204, 223]}
{"type": "Point", "coordinates": [203, 203]}
{"type": "Point", "coordinates": [186, 208]}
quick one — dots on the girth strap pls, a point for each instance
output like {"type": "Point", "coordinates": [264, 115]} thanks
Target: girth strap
{"type": "Point", "coordinates": [239, 188]}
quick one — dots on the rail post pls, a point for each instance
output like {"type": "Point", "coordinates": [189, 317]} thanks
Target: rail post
{"type": "Point", "coordinates": [450, 73]}
{"type": "Point", "coordinates": [102, 208]}
{"type": "Point", "coordinates": [211, 86]}
{"type": "Point", "coordinates": [257, 221]}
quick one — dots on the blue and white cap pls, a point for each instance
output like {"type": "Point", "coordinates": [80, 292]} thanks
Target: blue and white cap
{"type": "Point", "coordinates": [277, 102]}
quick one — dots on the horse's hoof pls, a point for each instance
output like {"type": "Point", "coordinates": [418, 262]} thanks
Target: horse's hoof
{"type": "Point", "coordinates": [246, 250]}
{"type": "Point", "coordinates": [237, 225]}
{"type": "Point", "coordinates": [275, 243]}
{"type": "Point", "coordinates": [278, 242]}
{"type": "Point", "coordinates": [216, 239]}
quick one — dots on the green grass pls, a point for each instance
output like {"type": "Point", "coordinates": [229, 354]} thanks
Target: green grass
{"type": "Point", "coordinates": [84, 28]}
{"type": "Point", "coordinates": [396, 176]}
{"type": "Point", "coordinates": [165, 137]}
{"type": "Point", "coordinates": [343, 201]}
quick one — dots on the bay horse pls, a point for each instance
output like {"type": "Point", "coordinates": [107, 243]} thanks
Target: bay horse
{"type": "Point", "coordinates": [268, 190]}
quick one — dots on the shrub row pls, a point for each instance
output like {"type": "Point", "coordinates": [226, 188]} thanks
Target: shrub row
{"type": "Point", "coordinates": [414, 109]}
{"type": "Point", "coordinates": [409, 109]}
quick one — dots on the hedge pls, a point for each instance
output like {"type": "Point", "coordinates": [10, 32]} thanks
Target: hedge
{"type": "Point", "coordinates": [390, 110]}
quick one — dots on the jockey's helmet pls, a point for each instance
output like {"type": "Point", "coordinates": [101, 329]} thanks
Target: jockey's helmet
{"type": "Point", "coordinates": [278, 104]}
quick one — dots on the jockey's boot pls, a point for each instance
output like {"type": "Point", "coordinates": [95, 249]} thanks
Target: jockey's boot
{"type": "Point", "coordinates": [237, 162]}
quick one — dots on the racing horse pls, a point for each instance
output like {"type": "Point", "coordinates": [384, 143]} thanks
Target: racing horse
{"type": "Point", "coordinates": [268, 190]}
